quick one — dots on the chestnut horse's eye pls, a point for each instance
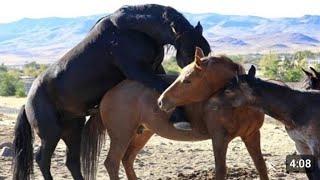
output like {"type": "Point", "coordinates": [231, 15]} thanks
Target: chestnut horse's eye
{"type": "Point", "coordinates": [186, 81]}
{"type": "Point", "coordinates": [228, 92]}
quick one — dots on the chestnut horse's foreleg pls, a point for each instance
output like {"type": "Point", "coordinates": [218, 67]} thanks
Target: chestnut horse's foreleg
{"type": "Point", "coordinates": [220, 145]}
{"type": "Point", "coordinates": [252, 143]}
{"type": "Point", "coordinates": [136, 144]}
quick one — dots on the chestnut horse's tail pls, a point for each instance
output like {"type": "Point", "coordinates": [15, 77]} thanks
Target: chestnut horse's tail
{"type": "Point", "coordinates": [93, 138]}
{"type": "Point", "coordinates": [23, 147]}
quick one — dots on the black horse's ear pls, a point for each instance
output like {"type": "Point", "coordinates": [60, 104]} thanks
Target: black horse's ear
{"type": "Point", "coordinates": [315, 72]}
{"type": "Point", "coordinates": [309, 74]}
{"type": "Point", "coordinates": [252, 72]}
{"type": "Point", "coordinates": [198, 28]}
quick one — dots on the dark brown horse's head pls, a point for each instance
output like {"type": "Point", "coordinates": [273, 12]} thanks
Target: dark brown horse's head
{"type": "Point", "coordinates": [313, 79]}
{"type": "Point", "coordinates": [199, 80]}
{"type": "Point", "coordinates": [187, 41]}
{"type": "Point", "coordinates": [238, 92]}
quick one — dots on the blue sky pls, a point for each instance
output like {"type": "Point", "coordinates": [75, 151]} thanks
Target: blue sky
{"type": "Point", "coordinates": [16, 9]}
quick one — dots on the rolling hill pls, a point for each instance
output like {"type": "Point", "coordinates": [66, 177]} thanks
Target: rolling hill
{"type": "Point", "coordinates": [46, 39]}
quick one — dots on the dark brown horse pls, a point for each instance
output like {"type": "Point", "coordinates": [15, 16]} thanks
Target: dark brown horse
{"type": "Point", "coordinates": [128, 44]}
{"type": "Point", "coordinates": [297, 110]}
{"type": "Point", "coordinates": [131, 116]}
{"type": "Point", "coordinates": [313, 79]}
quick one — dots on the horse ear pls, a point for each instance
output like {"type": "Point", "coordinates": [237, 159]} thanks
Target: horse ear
{"type": "Point", "coordinates": [309, 74]}
{"type": "Point", "coordinates": [315, 72]}
{"type": "Point", "coordinates": [197, 56]}
{"type": "Point", "coordinates": [237, 78]}
{"type": "Point", "coordinates": [252, 71]}
{"type": "Point", "coordinates": [199, 28]}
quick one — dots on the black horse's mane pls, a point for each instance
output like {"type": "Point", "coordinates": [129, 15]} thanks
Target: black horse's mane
{"type": "Point", "coordinates": [155, 20]}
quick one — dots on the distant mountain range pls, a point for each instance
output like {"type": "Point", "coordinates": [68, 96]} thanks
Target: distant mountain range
{"type": "Point", "coordinates": [45, 40]}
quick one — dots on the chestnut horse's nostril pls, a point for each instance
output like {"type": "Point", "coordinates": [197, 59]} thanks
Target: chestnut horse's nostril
{"type": "Point", "coordinates": [159, 103]}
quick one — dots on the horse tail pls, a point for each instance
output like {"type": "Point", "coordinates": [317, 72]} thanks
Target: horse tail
{"type": "Point", "coordinates": [23, 147]}
{"type": "Point", "coordinates": [93, 138]}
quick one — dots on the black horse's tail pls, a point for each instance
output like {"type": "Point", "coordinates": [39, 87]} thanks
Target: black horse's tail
{"type": "Point", "coordinates": [93, 138]}
{"type": "Point", "coordinates": [23, 147]}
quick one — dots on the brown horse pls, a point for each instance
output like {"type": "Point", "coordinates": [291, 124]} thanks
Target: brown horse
{"type": "Point", "coordinates": [131, 116]}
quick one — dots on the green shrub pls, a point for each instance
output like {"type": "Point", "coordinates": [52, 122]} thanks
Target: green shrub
{"type": "Point", "coordinates": [286, 70]}
{"type": "Point", "coordinates": [171, 66]}
{"type": "Point", "coordinates": [10, 85]}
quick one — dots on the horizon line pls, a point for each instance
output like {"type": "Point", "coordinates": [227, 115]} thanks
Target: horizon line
{"type": "Point", "coordinates": [183, 12]}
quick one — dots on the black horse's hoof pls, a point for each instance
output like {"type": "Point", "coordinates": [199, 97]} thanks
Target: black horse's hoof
{"type": "Point", "coordinates": [183, 126]}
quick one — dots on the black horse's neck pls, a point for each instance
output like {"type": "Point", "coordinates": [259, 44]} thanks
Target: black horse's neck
{"type": "Point", "coordinates": [154, 20]}
{"type": "Point", "coordinates": [283, 103]}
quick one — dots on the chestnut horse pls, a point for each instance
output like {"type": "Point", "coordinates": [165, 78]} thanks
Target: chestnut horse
{"type": "Point", "coordinates": [131, 116]}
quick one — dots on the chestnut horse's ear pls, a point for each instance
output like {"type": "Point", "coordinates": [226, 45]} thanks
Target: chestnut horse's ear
{"type": "Point", "coordinates": [197, 57]}
{"type": "Point", "coordinates": [309, 74]}
{"type": "Point", "coordinates": [252, 72]}
{"type": "Point", "coordinates": [315, 72]}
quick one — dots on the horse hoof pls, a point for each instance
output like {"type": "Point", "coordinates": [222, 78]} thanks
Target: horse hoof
{"type": "Point", "coordinates": [183, 126]}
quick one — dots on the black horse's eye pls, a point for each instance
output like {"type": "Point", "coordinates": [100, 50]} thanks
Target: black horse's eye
{"type": "Point", "coordinates": [186, 81]}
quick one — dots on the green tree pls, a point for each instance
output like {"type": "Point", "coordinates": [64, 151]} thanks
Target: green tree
{"type": "Point", "coordinates": [10, 85]}
{"type": "Point", "coordinates": [269, 66]}
{"type": "Point", "coordinates": [33, 69]}
{"type": "Point", "coordinates": [171, 67]}
{"type": "Point", "coordinates": [3, 68]}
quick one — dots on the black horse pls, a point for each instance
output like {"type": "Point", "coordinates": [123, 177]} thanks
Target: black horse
{"type": "Point", "coordinates": [126, 44]}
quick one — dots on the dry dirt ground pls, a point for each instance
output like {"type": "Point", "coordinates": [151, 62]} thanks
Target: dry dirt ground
{"type": "Point", "coordinates": [166, 159]}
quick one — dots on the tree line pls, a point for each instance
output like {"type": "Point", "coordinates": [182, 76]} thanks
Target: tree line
{"type": "Point", "coordinates": [277, 66]}
{"type": "Point", "coordinates": [284, 66]}
{"type": "Point", "coordinates": [11, 83]}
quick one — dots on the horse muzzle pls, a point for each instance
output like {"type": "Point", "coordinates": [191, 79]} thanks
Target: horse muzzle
{"type": "Point", "coordinates": [165, 105]}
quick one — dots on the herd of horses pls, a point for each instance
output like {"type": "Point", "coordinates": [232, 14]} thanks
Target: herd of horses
{"type": "Point", "coordinates": [220, 100]}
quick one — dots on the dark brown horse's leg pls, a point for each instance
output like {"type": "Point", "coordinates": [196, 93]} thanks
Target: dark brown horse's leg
{"type": "Point", "coordinates": [252, 143]}
{"type": "Point", "coordinates": [220, 145]}
{"type": "Point", "coordinates": [72, 139]}
{"type": "Point", "coordinates": [137, 143]}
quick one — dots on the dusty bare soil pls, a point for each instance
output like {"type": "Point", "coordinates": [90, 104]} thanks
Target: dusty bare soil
{"type": "Point", "coordinates": [166, 159]}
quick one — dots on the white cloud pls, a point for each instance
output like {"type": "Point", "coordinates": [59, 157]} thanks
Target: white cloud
{"type": "Point", "coordinates": [16, 9]}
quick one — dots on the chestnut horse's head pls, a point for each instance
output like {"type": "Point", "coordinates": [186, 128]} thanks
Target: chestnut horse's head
{"type": "Point", "coordinates": [199, 80]}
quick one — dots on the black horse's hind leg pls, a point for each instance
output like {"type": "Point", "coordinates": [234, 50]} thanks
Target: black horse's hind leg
{"type": "Point", "coordinates": [43, 115]}
{"type": "Point", "coordinates": [44, 155]}
{"type": "Point", "coordinates": [72, 139]}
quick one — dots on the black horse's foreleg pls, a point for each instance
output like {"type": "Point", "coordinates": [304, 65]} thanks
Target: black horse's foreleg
{"type": "Point", "coordinates": [145, 75]}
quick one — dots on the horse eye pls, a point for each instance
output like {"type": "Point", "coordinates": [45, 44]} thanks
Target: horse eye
{"type": "Point", "coordinates": [228, 91]}
{"type": "Point", "coordinates": [186, 81]}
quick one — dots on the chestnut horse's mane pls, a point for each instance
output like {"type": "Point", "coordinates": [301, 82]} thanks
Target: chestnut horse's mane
{"type": "Point", "coordinates": [226, 60]}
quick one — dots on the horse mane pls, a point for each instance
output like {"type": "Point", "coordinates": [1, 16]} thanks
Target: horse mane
{"type": "Point", "coordinates": [226, 60]}
{"type": "Point", "coordinates": [151, 19]}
